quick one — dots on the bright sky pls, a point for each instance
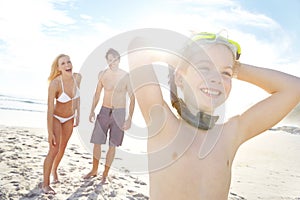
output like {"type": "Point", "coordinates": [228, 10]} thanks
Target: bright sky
{"type": "Point", "coordinates": [34, 32]}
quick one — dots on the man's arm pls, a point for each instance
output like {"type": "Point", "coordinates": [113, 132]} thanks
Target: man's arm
{"type": "Point", "coordinates": [127, 123]}
{"type": "Point", "coordinates": [131, 106]}
{"type": "Point", "coordinates": [96, 97]}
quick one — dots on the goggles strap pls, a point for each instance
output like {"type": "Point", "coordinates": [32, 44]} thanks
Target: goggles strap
{"type": "Point", "coordinates": [201, 120]}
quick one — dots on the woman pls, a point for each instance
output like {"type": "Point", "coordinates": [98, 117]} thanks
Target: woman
{"type": "Point", "coordinates": [62, 115]}
{"type": "Point", "coordinates": [190, 155]}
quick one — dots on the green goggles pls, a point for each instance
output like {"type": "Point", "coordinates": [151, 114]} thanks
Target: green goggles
{"type": "Point", "coordinates": [217, 38]}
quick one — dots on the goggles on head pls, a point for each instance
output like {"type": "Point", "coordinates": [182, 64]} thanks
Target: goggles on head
{"type": "Point", "coordinates": [212, 37]}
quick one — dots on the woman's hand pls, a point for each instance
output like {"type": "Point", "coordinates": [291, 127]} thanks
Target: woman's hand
{"type": "Point", "coordinates": [52, 140]}
{"type": "Point", "coordinates": [76, 123]}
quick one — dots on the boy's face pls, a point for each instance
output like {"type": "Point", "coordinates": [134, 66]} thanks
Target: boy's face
{"type": "Point", "coordinates": [113, 61]}
{"type": "Point", "coordinates": [207, 80]}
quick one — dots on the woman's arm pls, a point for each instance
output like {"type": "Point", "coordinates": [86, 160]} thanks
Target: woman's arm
{"type": "Point", "coordinates": [77, 108]}
{"type": "Point", "coordinates": [50, 111]}
{"type": "Point", "coordinates": [284, 90]}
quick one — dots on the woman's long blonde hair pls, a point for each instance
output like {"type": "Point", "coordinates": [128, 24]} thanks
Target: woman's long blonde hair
{"type": "Point", "coordinates": [54, 67]}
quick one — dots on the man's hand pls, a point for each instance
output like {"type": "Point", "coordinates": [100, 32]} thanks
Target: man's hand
{"type": "Point", "coordinates": [92, 117]}
{"type": "Point", "coordinates": [127, 124]}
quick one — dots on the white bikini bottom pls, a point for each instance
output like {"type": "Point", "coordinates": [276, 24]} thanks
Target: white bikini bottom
{"type": "Point", "coordinates": [63, 119]}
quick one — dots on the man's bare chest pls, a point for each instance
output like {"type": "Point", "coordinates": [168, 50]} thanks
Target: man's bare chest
{"type": "Point", "coordinates": [116, 83]}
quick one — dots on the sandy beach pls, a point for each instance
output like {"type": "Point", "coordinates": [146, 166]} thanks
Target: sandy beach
{"type": "Point", "coordinates": [22, 151]}
{"type": "Point", "coordinates": [267, 167]}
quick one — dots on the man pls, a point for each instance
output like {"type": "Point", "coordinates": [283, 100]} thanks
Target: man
{"type": "Point", "coordinates": [116, 85]}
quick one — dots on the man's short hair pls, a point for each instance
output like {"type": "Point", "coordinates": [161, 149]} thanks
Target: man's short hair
{"type": "Point", "coordinates": [113, 52]}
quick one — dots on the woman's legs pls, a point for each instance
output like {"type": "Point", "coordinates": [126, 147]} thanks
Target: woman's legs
{"type": "Point", "coordinates": [66, 132]}
{"type": "Point", "coordinates": [48, 162]}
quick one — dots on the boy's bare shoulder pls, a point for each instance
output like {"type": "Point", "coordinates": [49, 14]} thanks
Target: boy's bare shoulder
{"type": "Point", "coordinates": [233, 121]}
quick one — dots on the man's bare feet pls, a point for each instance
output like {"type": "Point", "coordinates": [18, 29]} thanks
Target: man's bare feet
{"type": "Point", "coordinates": [103, 180]}
{"type": "Point", "coordinates": [90, 175]}
{"type": "Point", "coordinates": [48, 190]}
{"type": "Point", "coordinates": [104, 175]}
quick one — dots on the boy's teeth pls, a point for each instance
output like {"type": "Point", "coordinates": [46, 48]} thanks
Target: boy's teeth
{"type": "Point", "coordinates": [210, 92]}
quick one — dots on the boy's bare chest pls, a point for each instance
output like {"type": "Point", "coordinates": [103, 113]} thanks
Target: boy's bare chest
{"type": "Point", "coordinates": [188, 174]}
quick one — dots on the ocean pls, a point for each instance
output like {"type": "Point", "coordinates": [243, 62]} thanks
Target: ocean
{"type": "Point", "coordinates": [32, 113]}
{"type": "Point", "coordinates": [22, 111]}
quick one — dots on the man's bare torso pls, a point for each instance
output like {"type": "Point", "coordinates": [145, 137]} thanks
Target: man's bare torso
{"type": "Point", "coordinates": [115, 84]}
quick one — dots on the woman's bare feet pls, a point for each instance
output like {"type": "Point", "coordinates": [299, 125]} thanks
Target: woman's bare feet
{"type": "Point", "coordinates": [55, 177]}
{"type": "Point", "coordinates": [48, 190]}
{"type": "Point", "coordinates": [90, 174]}
{"type": "Point", "coordinates": [55, 181]}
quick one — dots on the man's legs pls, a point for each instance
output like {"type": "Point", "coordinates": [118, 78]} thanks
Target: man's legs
{"type": "Point", "coordinates": [96, 160]}
{"type": "Point", "coordinates": [116, 135]}
{"type": "Point", "coordinates": [109, 159]}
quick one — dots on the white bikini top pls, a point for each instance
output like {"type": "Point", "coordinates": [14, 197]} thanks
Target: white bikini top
{"type": "Point", "coordinates": [64, 98]}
